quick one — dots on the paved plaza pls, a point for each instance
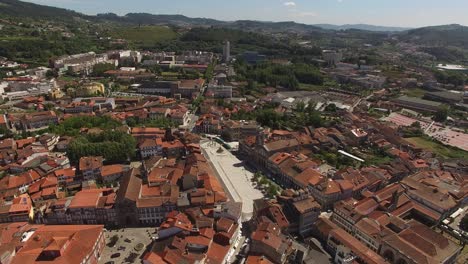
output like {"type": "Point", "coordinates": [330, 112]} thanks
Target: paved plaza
{"type": "Point", "coordinates": [128, 239]}
{"type": "Point", "coordinates": [236, 180]}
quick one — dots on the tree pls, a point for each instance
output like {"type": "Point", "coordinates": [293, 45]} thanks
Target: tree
{"type": "Point", "coordinates": [331, 108]}
{"type": "Point", "coordinates": [113, 240]}
{"type": "Point", "coordinates": [464, 223]}
{"type": "Point", "coordinates": [101, 68]}
{"type": "Point", "coordinates": [251, 85]}
{"type": "Point", "coordinates": [51, 74]}
{"type": "Point", "coordinates": [416, 124]}
{"type": "Point", "coordinates": [272, 190]}
{"type": "Point", "coordinates": [441, 114]}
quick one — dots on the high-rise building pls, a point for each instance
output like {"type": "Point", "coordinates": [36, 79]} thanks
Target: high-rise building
{"type": "Point", "coordinates": [227, 51]}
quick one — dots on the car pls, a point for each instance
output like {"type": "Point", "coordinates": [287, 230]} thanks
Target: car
{"type": "Point", "coordinates": [115, 255]}
{"type": "Point", "coordinates": [110, 262]}
{"type": "Point", "coordinates": [121, 248]}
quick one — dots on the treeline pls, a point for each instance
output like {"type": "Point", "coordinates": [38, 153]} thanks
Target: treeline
{"type": "Point", "coordinates": [114, 146]}
{"type": "Point", "coordinates": [267, 116]}
{"type": "Point", "coordinates": [212, 39]}
{"type": "Point", "coordinates": [71, 126]}
{"type": "Point", "coordinates": [289, 76]}
{"type": "Point", "coordinates": [41, 50]}
{"type": "Point", "coordinates": [450, 77]}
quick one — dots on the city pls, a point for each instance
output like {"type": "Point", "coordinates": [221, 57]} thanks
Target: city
{"type": "Point", "coordinates": [168, 139]}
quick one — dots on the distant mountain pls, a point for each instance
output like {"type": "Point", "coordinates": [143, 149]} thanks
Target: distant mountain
{"type": "Point", "coordinates": [14, 8]}
{"type": "Point", "coordinates": [455, 35]}
{"type": "Point", "coordinates": [273, 27]}
{"type": "Point", "coordinates": [446, 35]}
{"type": "Point", "coordinates": [361, 27]}
{"type": "Point", "coordinates": [145, 18]}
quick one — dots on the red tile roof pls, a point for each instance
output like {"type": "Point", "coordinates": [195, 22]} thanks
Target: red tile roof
{"type": "Point", "coordinates": [79, 241]}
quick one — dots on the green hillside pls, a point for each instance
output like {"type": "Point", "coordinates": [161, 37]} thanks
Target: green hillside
{"type": "Point", "coordinates": [145, 36]}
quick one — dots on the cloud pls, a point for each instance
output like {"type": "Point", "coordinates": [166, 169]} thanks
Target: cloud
{"type": "Point", "coordinates": [289, 4]}
{"type": "Point", "coordinates": [307, 14]}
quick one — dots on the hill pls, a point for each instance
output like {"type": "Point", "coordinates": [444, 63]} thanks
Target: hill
{"type": "Point", "coordinates": [144, 36]}
{"type": "Point", "coordinates": [365, 27]}
{"type": "Point", "coordinates": [150, 19]}
{"type": "Point", "coordinates": [446, 35]}
{"type": "Point", "coordinates": [15, 9]}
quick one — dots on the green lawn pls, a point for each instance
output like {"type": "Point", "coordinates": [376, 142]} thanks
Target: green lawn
{"type": "Point", "coordinates": [438, 148]}
{"type": "Point", "coordinates": [145, 35]}
{"type": "Point", "coordinates": [414, 92]}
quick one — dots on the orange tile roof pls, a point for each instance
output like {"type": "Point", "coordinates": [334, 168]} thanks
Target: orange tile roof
{"type": "Point", "coordinates": [21, 204]}
{"type": "Point", "coordinates": [109, 170]}
{"type": "Point", "coordinates": [80, 241]}
{"type": "Point", "coordinates": [152, 258]}
{"type": "Point", "coordinates": [90, 163]}
{"type": "Point", "coordinates": [258, 260]}
{"type": "Point", "coordinates": [87, 198]}
{"type": "Point", "coordinates": [216, 253]}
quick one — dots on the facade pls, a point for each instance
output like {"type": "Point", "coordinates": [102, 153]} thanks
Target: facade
{"type": "Point", "coordinates": [38, 120]}
{"type": "Point", "coordinates": [417, 104]}
{"type": "Point", "coordinates": [163, 88]}
{"type": "Point", "coordinates": [141, 204]}
{"type": "Point", "coordinates": [227, 51]}
{"type": "Point", "coordinates": [87, 207]}
{"type": "Point", "coordinates": [90, 89]}
{"type": "Point", "coordinates": [332, 57]}
{"type": "Point", "coordinates": [219, 91]}
{"type": "Point", "coordinates": [150, 148]}
{"type": "Point", "coordinates": [112, 173]}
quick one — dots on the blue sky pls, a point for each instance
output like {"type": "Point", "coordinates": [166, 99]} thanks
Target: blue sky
{"type": "Point", "coordinates": [406, 13]}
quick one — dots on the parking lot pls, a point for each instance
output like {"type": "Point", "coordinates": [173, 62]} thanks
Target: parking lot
{"type": "Point", "coordinates": [128, 239]}
{"type": "Point", "coordinates": [445, 135]}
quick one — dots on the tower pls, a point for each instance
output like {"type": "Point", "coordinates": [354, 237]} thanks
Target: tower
{"type": "Point", "coordinates": [227, 51]}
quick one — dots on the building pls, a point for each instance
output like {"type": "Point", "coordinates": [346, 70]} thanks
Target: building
{"type": "Point", "coordinates": [303, 211]}
{"type": "Point", "coordinates": [180, 115]}
{"type": "Point", "coordinates": [151, 147]}
{"type": "Point", "coordinates": [450, 97]}
{"type": "Point", "coordinates": [112, 173]}
{"type": "Point", "coordinates": [142, 204]}
{"type": "Point", "coordinates": [89, 89]}
{"type": "Point", "coordinates": [164, 88]}
{"type": "Point", "coordinates": [253, 57]}
{"type": "Point", "coordinates": [417, 104]}
{"type": "Point", "coordinates": [90, 167]}
{"type": "Point", "coordinates": [219, 91]}
{"type": "Point", "coordinates": [93, 206]}
{"type": "Point", "coordinates": [227, 51]}
{"type": "Point", "coordinates": [61, 244]}
{"type": "Point", "coordinates": [36, 120]}
{"type": "Point", "coordinates": [97, 103]}
{"type": "Point", "coordinates": [332, 57]}
{"type": "Point", "coordinates": [233, 130]}
{"type": "Point", "coordinates": [267, 240]}
{"type": "Point", "coordinates": [189, 88]}
{"type": "Point", "coordinates": [20, 209]}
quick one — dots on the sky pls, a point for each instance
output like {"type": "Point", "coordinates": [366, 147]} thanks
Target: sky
{"type": "Point", "coordinates": [401, 13]}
